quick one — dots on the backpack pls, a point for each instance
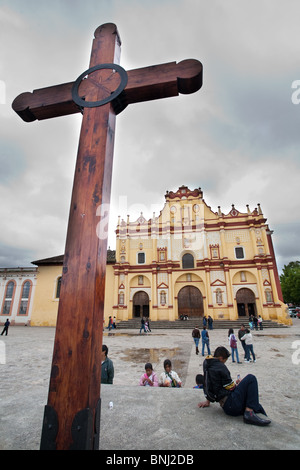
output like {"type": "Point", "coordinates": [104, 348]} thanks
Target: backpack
{"type": "Point", "coordinates": [233, 342]}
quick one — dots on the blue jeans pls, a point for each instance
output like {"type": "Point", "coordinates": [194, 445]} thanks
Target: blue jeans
{"type": "Point", "coordinates": [244, 395]}
{"type": "Point", "coordinates": [244, 348]}
{"type": "Point", "coordinates": [235, 350]}
{"type": "Point", "coordinates": [249, 348]}
{"type": "Point", "coordinates": [207, 345]}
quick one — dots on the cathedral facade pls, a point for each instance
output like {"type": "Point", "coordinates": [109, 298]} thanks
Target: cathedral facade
{"type": "Point", "coordinates": [192, 261]}
{"type": "Point", "coordinates": [188, 260]}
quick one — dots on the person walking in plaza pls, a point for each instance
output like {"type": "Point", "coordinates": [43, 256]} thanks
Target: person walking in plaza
{"type": "Point", "coordinates": [210, 322]}
{"type": "Point", "coordinates": [233, 345]}
{"type": "Point", "coordinates": [148, 324]}
{"type": "Point", "coordinates": [205, 340]}
{"type": "Point", "coordinates": [241, 333]}
{"type": "Point", "coordinates": [236, 398]}
{"type": "Point", "coordinates": [196, 337]}
{"type": "Point", "coordinates": [249, 346]}
{"type": "Point", "coordinates": [259, 321]}
{"type": "Point", "coordinates": [143, 325]}
{"type": "Point", "coordinates": [6, 326]}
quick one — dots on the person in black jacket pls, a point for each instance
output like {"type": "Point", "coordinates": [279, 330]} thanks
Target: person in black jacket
{"type": "Point", "coordinates": [196, 336]}
{"type": "Point", "coordinates": [6, 326]}
{"type": "Point", "coordinates": [236, 398]}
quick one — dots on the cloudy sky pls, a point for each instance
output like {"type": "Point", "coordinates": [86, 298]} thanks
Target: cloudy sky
{"type": "Point", "coordinates": [238, 138]}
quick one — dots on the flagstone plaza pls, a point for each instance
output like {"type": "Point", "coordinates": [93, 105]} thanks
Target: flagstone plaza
{"type": "Point", "coordinates": [156, 419]}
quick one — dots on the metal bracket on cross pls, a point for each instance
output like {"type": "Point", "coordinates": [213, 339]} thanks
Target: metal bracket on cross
{"type": "Point", "coordinates": [93, 104]}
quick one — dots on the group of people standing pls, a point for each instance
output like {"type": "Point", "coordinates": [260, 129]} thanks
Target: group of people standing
{"type": "Point", "coordinates": [111, 323]}
{"type": "Point", "coordinates": [255, 322]}
{"type": "Point", "coordinates": [145, 325]}
{"type": "Point", "coordinates": [244, 336]}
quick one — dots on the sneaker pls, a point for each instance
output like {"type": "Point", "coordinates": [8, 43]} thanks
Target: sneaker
{"type": "Point", "coordinates": [246, 361]}
{"type": "Point", "coordinates": [252, 418]}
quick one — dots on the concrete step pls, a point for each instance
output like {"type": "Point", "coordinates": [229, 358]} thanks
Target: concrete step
{"type": "Point", "coordinates": [135, 323]}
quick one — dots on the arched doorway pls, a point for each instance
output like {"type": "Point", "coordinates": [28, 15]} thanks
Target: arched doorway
{"type": "Point", "coordinates": [190, 302]}
{"type": "Point", "coordinates": [140, 304]}
{"type": "Point", "coordinates": [246, 303]}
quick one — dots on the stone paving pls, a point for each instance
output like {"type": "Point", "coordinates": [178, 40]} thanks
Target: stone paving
{"type": "Point", "coordinates": [155, 419]}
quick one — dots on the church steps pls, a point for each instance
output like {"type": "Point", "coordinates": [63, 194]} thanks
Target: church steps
{"type": "Point", "coordinates": [135, 323]}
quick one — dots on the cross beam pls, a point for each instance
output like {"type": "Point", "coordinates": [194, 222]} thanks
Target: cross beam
{"type": "Point", "coordinates": [144, 84]}
{"type": "Point", "coordinates": [72, 414]}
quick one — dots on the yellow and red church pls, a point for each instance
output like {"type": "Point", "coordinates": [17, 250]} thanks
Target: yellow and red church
{"type": "Point", "coordinates": [188, 260]}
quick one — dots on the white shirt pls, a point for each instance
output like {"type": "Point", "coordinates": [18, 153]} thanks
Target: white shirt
{"type": "Point", "coordinates": [165, 377]}
{"type": "Point", "coordinates": [247, 338]}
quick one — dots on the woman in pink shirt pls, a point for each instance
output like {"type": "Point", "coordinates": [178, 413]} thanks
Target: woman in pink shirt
{"type": "Point", "coordinates": [150, 377]}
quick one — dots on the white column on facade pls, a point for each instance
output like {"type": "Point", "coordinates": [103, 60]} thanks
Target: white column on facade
{"type": "Point", "coordinates": [171, 300]}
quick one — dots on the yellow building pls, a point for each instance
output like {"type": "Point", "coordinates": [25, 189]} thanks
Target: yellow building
{"type": "Point", "coordinates": [188, 260]}
{"type": "Point", "coordinates": [192, 261]}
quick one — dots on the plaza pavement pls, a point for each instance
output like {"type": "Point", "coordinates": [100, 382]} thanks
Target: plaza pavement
{"type": "Point", "coordinates": [144, 418]}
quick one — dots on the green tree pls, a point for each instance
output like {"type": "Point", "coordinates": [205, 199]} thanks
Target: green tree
{"type": "Point", "coordinates": [290, 282]}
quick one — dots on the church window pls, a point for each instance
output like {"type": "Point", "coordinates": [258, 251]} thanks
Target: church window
{"type": "Point", "coordinates": [141, 258]}
{"type": "Point", "coordinates": [239, 252]}
{"type": "Point", "coordinates": [25, 298]}
{"type": "Point", "coordinates": [8, 298]}
{"type": "Point", "coordinates": [187, 261]}
{"type": "Point", "coordinates": [58, 286]}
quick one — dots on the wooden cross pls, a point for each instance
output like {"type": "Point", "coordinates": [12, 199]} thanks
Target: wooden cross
{"type": "Point", "coordinates": [72, 414]}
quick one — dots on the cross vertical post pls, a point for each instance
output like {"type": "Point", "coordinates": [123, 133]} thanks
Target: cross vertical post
{"type": "Point", "coordinates": [72, 414]}
{"type": "Point", "coordinates": [74, 389]}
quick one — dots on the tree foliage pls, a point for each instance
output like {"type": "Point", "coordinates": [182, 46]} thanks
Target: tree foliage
{"type": "Point", "coordinates": [290, 282]}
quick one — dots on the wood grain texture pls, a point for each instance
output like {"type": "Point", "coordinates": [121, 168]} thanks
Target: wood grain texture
{"type": "Point", "coordinates": [74, 388]}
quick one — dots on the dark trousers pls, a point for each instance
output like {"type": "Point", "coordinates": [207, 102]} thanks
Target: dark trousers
{"type": "Point", "coordinates": [244, 348]}
{"type": "Point", "coordinates": [249, 349]}
{"type": "Point", "coordinates": [244, 395]}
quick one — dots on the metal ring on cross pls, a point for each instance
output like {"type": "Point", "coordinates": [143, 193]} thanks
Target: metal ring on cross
{"type": "Point", "coordinates": [93, 104]}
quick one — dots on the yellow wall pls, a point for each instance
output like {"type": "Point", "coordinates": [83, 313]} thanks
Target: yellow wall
{"type": "Point", "coordinates": [45, 304]}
